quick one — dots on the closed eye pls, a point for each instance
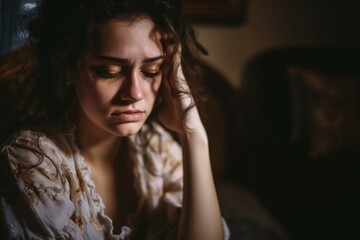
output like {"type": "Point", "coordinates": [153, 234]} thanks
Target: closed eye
{"type": "Point", "coordinates": [151, 74]}
{"type": "Point", "coordinates": [104, 73]}
{"type": "Point", "coordinates": [109, 75]}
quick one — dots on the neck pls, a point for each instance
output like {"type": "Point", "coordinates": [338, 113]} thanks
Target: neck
{"type": "Point", "coordinates": [95, 144]}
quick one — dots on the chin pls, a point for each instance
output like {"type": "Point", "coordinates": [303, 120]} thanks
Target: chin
{"type": "Point", "coordinates": [126, 129]}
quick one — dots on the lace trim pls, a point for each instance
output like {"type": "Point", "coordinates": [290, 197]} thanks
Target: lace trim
{"type": "Point", "coordinates": [99, 205]}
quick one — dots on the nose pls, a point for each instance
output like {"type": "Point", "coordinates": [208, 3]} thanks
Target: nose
{"type": "Point", "coordinates": [131, 90]}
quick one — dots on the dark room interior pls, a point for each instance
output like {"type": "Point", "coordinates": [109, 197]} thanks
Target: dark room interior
{"type": "Point", "coordinates": [282, 82]}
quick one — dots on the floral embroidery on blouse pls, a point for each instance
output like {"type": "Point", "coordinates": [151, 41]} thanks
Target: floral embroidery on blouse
{"type": "Point", "coordinates": [50, 195]}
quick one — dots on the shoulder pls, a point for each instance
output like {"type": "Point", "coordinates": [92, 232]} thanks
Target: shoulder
{"type": "Point", "coordinates": [32, 140]}
{"type": "Point", "coordinates": [28, 148]}
{"type": "Point", "coordinates": [25, 142]}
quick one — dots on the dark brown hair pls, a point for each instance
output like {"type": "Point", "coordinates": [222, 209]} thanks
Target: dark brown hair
{"type": "Point", "coordinates": [62, 34]}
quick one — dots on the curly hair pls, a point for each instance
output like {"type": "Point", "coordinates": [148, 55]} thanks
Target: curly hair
{"type": "Point", "coordinates": [63, 34]}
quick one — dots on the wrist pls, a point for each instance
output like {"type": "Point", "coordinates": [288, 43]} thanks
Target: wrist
{"type": "Point", "coordinates": [192, 135]}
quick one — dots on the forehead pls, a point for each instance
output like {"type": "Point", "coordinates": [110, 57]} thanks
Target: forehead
{"type": "Point", "coordinates": [122, 37]}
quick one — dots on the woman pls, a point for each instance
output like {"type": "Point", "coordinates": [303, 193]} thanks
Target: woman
{"type": "Point", "coordinates": [111, 78]}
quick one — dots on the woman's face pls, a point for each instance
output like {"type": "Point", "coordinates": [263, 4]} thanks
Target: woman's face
{"type": "Point", "coordinates": [125, 78]}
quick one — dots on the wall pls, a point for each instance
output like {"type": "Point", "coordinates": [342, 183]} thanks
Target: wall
{"type": "Point", "coordinates": [279, 23]}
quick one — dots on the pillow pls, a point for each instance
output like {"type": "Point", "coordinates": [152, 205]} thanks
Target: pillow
{"type": "Point", "coordinates": [326, 110]}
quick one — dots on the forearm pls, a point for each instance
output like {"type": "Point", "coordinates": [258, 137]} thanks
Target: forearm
{"type": "Point", "coordinates": [200, 217]}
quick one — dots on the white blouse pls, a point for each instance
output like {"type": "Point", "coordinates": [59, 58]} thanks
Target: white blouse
{"type": "Point", "coordinates": [50, 195]}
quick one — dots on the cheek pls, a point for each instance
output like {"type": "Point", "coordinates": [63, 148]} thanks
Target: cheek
{"type": "Point", "coordinates": [154, 90]}
{"type": "Point", "coordinates": [94, 96]}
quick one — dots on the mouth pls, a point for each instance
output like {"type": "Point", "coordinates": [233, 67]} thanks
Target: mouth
{"type": "Point", "coordinates": [128, 116]}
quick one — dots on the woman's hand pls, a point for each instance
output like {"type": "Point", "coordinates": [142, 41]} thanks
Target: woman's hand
{"type": "Point", "coordinates": [178, 113]}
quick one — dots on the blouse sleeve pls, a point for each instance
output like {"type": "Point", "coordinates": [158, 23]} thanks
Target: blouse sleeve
{"type": "Point", "coordinates": [33, 201]}
{"type": "Point", "coordinates": [162, 184]}
{"type": "Point", "coordinates": [166, 217]}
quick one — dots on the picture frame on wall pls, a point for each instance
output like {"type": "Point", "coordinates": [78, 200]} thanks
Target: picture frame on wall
{"type": "Point", "coordinates": [215, 11]}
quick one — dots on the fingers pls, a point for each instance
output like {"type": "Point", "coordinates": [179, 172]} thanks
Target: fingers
{"type": "Point", "coordinates": [174, 82]}
{"type": "Point", "coordinates": [174, 74]}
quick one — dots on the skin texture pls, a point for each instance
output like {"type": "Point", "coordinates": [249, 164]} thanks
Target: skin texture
{"type": "Point", "coordinates": [126, 75]}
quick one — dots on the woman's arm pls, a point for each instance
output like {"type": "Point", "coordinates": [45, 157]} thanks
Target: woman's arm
{"type": "Point", "coordinates": [200, 217]}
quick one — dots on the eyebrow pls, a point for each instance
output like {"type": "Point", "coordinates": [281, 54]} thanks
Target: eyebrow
{"type": "Point", "coordinates": [125, 60]}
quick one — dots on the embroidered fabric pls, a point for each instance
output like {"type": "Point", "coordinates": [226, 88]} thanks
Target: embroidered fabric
{"type": "Point", "coordinates": [50, 194]}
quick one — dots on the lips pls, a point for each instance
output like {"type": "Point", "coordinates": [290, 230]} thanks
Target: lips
{"type": "Point", "coordinates": [128, 116]}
